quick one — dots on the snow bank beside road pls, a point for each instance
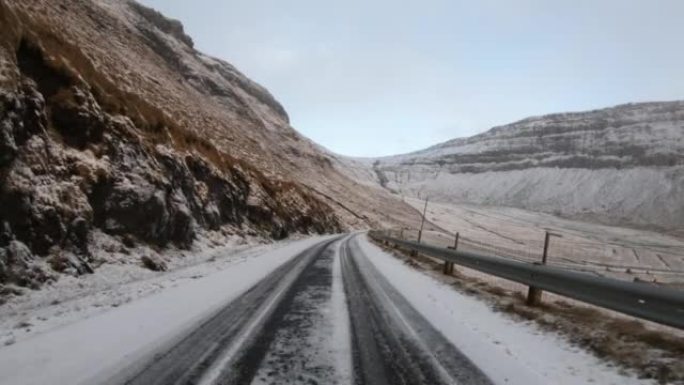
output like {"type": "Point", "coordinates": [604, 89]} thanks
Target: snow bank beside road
{"type": "Point", "coordinates": [508, 351]}
{"type": "Point", "coordinates": [88, 351]}
{"type": "Point", "coordinates": [119, 280]}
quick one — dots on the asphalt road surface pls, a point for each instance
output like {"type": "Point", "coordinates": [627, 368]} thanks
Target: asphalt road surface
{"type": "Point", "coordinates": [327, 316]}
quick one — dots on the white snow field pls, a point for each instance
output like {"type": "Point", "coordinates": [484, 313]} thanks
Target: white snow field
{"type": "Point", "coordinates": [617, 252]}
{"type": "Point", "coordinates": [120, 279]}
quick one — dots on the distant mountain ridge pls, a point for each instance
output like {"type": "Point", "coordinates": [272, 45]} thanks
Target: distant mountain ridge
{"type": "Point", "coordinates": [620, 165]}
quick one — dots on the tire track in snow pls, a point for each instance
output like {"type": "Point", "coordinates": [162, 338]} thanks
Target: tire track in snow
{"type": "Point", "coordinates": [211, 347]}
{"type": "Point", "coordinates": [295, 346]}
{"type": "Point", "coordinates": [293, 327]}
{"type": "Point", "coordinates": [392, 342]}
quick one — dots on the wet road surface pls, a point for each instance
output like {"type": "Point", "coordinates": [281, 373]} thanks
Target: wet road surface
{"type": "Point", "coordinates": [327, 316]}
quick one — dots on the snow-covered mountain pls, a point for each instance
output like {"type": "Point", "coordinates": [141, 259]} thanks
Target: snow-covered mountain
{"type": "Point", "coordinates": [622, 165]}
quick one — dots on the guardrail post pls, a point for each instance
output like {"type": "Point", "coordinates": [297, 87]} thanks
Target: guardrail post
{"type": "Point", "coordinates": [445, 268]}
{"type": "Point", "coordinates": [422, 221]}
{"type": "Point", "coordinates": [449, 266]}
{"type": "Point", "coordinates": [534, 294]}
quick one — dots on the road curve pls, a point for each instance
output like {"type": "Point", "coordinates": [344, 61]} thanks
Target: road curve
{"type": "Point", "coordinates": [280, 332]}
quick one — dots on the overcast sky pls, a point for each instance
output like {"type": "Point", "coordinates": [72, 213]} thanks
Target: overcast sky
{"type": "Point", "coordinates": [382, 77]}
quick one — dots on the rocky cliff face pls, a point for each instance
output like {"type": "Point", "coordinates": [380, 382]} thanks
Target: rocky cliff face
{"type": "Point", "coordinates": [111, 122]}
{"type": "Point", "coordinates": [621, 165]}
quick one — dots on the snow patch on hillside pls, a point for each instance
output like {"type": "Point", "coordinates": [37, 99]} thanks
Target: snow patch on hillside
{"type": "Point", "coordinates": [639, 196]}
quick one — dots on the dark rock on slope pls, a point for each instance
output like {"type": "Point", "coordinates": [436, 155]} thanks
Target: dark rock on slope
{"type": "Point", "coordinates": [166, 25]}
{"type": "Point", "coordinates": [77, 156]}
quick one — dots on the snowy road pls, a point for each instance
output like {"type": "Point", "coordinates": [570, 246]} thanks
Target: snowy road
{"type": "Point", "coordinates": [273, 333]}
{"type": "Point", "coordinates": [331, 310]}
{"type": "Point", "coordinates": [392, 342]}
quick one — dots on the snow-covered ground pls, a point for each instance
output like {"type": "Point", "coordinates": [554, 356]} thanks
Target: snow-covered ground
{"type": "Point", "coordinates": [95, 344]}
{"type": "Point", "coordinates": [609, 195]}
{"type": "Point", "coordinates": [508, 351]}
{"type": "Point", "coordinates": [604, 250]}
{"type": "Point", "coordinates": [121, 279]}
{"type": "Point", "coordinates": [71, 351]}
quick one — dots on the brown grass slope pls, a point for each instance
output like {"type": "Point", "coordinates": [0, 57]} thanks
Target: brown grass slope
{"type": "Point", "coordinates": [111, 121]}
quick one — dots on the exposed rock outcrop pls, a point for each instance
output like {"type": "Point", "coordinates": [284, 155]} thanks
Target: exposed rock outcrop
{"type": "Point", "coordinates": [78, 154]}
{"type": "Point", "coordinates": [165, 24]}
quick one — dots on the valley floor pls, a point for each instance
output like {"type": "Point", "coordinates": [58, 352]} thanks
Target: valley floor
{"type": "Point", "coordinates": [331, 310]}
{"type": "Point", "coordinates": [617, 252]}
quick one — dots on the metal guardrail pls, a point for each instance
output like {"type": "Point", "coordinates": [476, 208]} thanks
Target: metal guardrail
{"type": "Point", "coordinates": [654, 303]}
